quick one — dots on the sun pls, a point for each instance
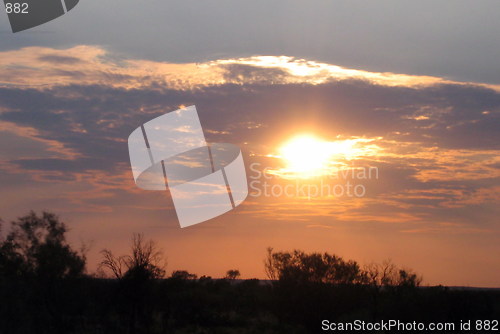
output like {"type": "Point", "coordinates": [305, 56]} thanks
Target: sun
{"type": "Point", "coordinates": [306, 155]}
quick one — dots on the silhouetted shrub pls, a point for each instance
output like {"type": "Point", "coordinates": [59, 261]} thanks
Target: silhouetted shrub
{"type": "Point", "coordinates": [183, 275]}
{"type": "Point", "coordinates": [297, 266]}
{"type": "Point", "coordinates": [232, 274]}
{"type": "Point", "coordinates": [145, 261]}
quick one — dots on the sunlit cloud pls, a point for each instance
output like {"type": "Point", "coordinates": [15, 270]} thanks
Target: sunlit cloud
{"type": "Point", "coordinates": [41, 67]}
{"type": "Point", "coordinates": [312, 72]}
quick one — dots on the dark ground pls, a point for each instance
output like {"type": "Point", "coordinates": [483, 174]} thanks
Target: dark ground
{"type": "Point", "coordinates": [89, 305]}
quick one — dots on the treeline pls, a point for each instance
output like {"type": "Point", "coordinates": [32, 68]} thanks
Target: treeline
{"type": "Point", "coordinates": [300, 267]}
{"type": "Point", "coordinates": [44, 288]}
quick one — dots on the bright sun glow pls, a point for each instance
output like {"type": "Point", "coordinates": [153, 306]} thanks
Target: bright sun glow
{"type": "Point", "coordinates": [308, 156]}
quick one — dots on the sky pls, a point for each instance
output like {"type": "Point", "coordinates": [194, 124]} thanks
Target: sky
{"type": "Point", "coordinates": [412, 89]}
{"type": "Point", "coordinates": [456, 39]}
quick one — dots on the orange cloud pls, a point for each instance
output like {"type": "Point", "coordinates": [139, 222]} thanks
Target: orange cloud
{"type": "Point", "coordinates": [41, 67]}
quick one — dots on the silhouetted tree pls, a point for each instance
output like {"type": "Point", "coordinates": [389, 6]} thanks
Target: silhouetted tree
{"type": "Point", "coordinates": [232, 274]}
{"type": "Point", "coordinates": [144, 262]}
{"type": "Point", "coordinates": [387, 274]}
{"type": "Point", "coordinates": [136, 273]}
{"type": "Point", "coordinates": [38, 269]}
{"type": "Point", "coordinates": [37, 246]}
{"type": "Point", "coordinates": [314, 267]}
